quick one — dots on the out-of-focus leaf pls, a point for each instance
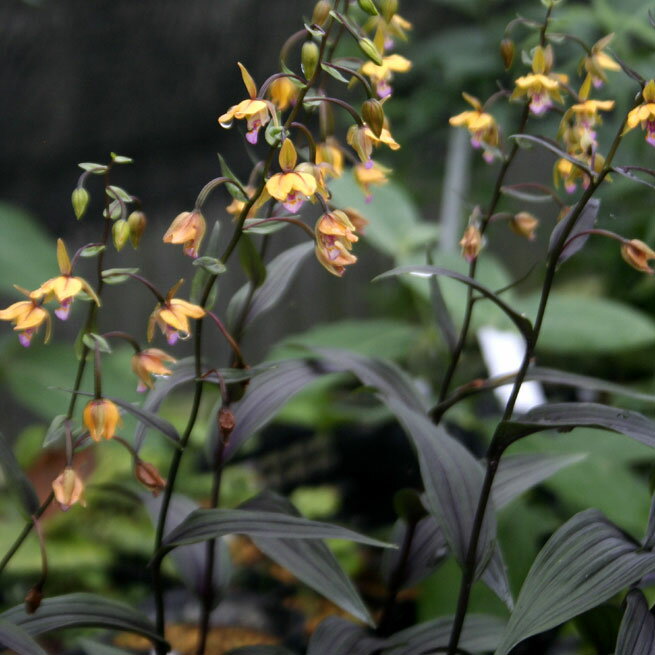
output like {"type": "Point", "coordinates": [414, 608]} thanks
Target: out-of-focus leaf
{"type": "Point", "coordinates": [202, 275]}
{"type": "Point", "coordinates": [601, 325]}
{"type": "Point", "coordinates": [481, 633]}
{"type": "Point", "coordinates": [566, 416]}
{"type": "Point", "coordinates": [190, 561]}
{"type": "Point", "coordinates": [520, 193]}
{"type": "Point", "coordinates": [19, 641]}
{"type": "Point", "coordinates": [251, 261]}
{"type": "Point", "coordinates": [649, 538]}
{"type": "Point", "coordinates": [521, 322]}
{"type": "Point", "coordinates": [637, 631]}
{"type": "Point", "coordinates": [16, 479]}
{"type": "Point", "coordinates": [336, 635]}
{"type": "Point", "coordinates": [257, 226]}
{"type": "Point", "coordinates": [96, 648]}
{"type": "Point", "coordinates": [233, 189]}
{"type": "Point", "coordinates": [81, 610]}
{"type": "Point", "coordinates": [599, 627]}
{"type": "Point", "coordinates": [585, 221]}
{"type": "Point", "coordinates": [624, 172]}
{"type": "Point", "coordinates": [204, 524]}
{"type": "Point", "coordinates": [310, 561]}
{"type": "Point", "coordinates": [584, 563]}
{"type": "Point", "coordinates": [518, 473]}
{"type": "Point", "coordinates": [528, 140]}
{"type": "Point", "coordinates": [280, 271]}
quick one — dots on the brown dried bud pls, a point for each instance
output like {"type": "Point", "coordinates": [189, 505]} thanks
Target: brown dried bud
{"type": "Point", "coordinates": [309, 59]}
{"type": "Point", "coordinates": [373, 115]}
{"type": "Point", "coordinates": [507, 52]}
{"type": "Point", "coordinates": [321, 12]}
{"type": "Point", "coordinates": [137, 222]}
{"type": "Point", "coordinates": [33, 599]}
{"type": "Point", "coordinates": [226, 422]}
{"type": "Point", "coordinates": [471, 243]}
{"type": "Point", "coordinates": [149, 477]}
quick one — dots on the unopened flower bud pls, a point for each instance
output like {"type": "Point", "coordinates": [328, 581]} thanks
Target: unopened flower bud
{"type": "Point", "coordinates": [101, 417]}
{"type": "Point", "coordinates": [137, 222]}
{"type": "Point", "coordinates": [389, 9]}
{"type": "Point", "coordinates": [309, 59]}
{"type": "Point", "coordinates": [33, 599]}
{"type": "Point", "coordinates": [68, 489]}
{"type": "Point", "coordinates": [471, 243]}
{"type": "Point", "coordinates": [321, 12]}
{"type": "Point", "coordinates": [120, 233]}
{"type": "Point", "coordinates": [373, 114]}
{"type": "Point", "coordinates": [368, 6]}
{"type": "Point", "coordinates": [226, 422]}
{"type": "Point", "coordinates": [370, 50]}
{"type": "Point", "coordinates": [507, 52]}
{"type": "Point", "coordinates": [525, 225]}
{"type": "Point", "coordinates": [80, 200]}
{"type": "Point", "coordinates": [637, 253]}
{"type": "Point", "coordinates": [148, 475]}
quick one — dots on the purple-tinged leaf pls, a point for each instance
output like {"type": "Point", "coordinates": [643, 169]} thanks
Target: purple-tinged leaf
{"type": "Point", "coordinates": [584, 563]}
{"type": "Point", "coordinates": [336, 635]}
{"type": "Point", "coordinates": [637, 631]}
{"type": "Point", "coordinates": [311, 561]}
{"type": "Point", "coordinates": [16, 478]}
{"type": "Point", "coordinates": [81, 610]}
{"type": "Point", "coordinates": [495, 577]}
{"type": "Point", "coordinates": [649, 538]}
{"type": "Point", "coordinates": [585, 221]}
{"type": "Point", "coordinates": [521, 322]}
{"type": "Point", "coordinates": [18, 641]}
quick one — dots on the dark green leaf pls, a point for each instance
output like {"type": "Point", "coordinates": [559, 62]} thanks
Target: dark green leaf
{"type": "Point", "coordinates": [204, 524]}
{"type": "Point", "coordinates": [495, 577]}
{"type": "Point", "coordinates": [96, 648]}
{"type": "Point", "coordinates": [585, 221]}
{"type": "Point", "coordinates": [19, 641]}
{"type": "Point", "coordinates": [265, 226]}
{"type": "Point", "coordinates": [637, 631]}
{"type": "Point", "coordinates": [312, 562]}
{"type": "Point", "coordinates": [233, 189]}
{"type": "Point", "coordinates": [93, 341]}
{"type": "Point", "coordinates": [527, 140]}
{"type": "Point", "coordinates": [81, 610]}
{"type": "Point", "coordinates": [280, 272]}
{"type": "Point", "coordinates": [16, 479]}
{"type": "Point", "coordinates": [480, 633]}
{"type": "Point", "coordinates": [336, 635]}
{"type": "Point", "coordinates": [251, 261]}
{"type": "Point", "coordinates": [521, 322]}
{"type": "Point", "coordinates": [202, 275]}
{"type": "Point", "coordinates": [584, 563]}
{"type": "Point", "coordinates": [117, 275]}
{"type": "Point", "coordinates": [566, 416]}
{"type": "Point", "coordinates": [210, 264]}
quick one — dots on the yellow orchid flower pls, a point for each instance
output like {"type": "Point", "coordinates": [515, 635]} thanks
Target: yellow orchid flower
{"type": "Point", "coordinates": [387, 32]}
{"type": "Point", "coordinates": [65, 286]}
{"type": "Point", "coordinates": [101, 417]}
{"type": "Point", "coordinates": [172, 317]}
{"type": "Point", "coordinates": [366, 176]}
{"type": "Point", "coordinates": [382, 75]}
{"type": "Point", "coordinates": [68, 489]}
{"type": "Point", "coordinates": [149, 363]}
{"type": "Point", "coordinates": [256, 111]}
{"type": "Point", "coordinates": [334, 238]}
{"type": "Point", "coordinates": [329, 152]}
{"type": "Point", "coordinates": [599, 61]}
{"type": "Point", "coordinates": [293, 186]}
{"type": "Point", "coordinates": [283, 92]}
{"type": "Point", "coordinates": [482, 126]}
{"type": "Point", "coordinates": [644, 114]}
{"type": "Point", "coordinates": [187, 228]}
{"type": "Point", "coordinates": [27, 316]}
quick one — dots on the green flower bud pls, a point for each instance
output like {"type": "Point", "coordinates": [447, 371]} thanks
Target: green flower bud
{"type": "Point", "coordinates": [80, 200]}
{"type": "Point", "coordinates": [121, 233]}
{"type": "Point", "coordinates": [368, 48]}
{"type": "Point", "coordinates": [373, 114]}
{"type": "Point", "coordinates": [309, 59]}
{"type": "Point", "coordinates": [137, 224]}
{"type": "Point", "coordinates": [368, 6]}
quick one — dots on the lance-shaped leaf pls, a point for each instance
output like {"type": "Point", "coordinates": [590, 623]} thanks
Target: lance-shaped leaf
{"type": "Point", "coordinates": [566, 416]}
{"type": "Point", "coordinates": [280, 271]}
{"type": "Point", "coordinates": [16, 479]}
{"type": "Point", "coordinates": [311, 561]}
{"type": "Point", "coordinates": [527, 140]}
{"type": "Point", "coordinates": [453, 481]}
{"type": "Point", "coordinates": [202, 276]}
{"type": "Point", "coordinates": [649, 538]}
{"type": "Point", "coordinates": [336, 635]}
{"type": "Point", "coordinates": [81, 610]}
{"type": "Point", "coordinates": [495, 577]}
{"type": "Point", "coordinates": [521, 322]}
{"type": "Point", "coordinates": [204, 524]}
{"type": "Point", "coordinates": [627, 173]}
{"type": "Point", "coordinates": [584, 563]}
{"type": "Point", "coordinates": [585, 221]}
{"type": "Point", "coordinates": [266, 395]}
{"type": "Point", "coordinates": [191, 561]}
{"type": "Point", "coordinates": [19, 641]}
{"type": "Point", "coordinates": [519, 192]}
{"type": "Point", "coordinates": [637, 631]}
{"type": "Point", "coordinates": [481, 633]}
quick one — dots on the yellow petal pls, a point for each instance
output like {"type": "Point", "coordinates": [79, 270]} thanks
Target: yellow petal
{"type": "Point", "coordinates": [249, 83]}
{"type": "Point", "coordinates": [194, 311]}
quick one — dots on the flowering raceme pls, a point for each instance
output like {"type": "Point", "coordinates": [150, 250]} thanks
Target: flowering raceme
{"type": "Point", "coordinates": [482, 127]}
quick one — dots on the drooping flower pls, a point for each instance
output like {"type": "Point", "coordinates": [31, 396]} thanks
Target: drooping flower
{"type": "Point", "coordinates": [366, 176]}
{"type": "Point", "coordinates": [255, 110]}
{"type": "Point", "coordinates": [334, 238]}
{"type": "Point", "coordinates": [64, 287]}
{"type": "Point", "coordinates": [187, 228]}
{"type": "Point", "coordinates": [283, 92]}
{"type": "Point", "coordinates": [471, 243]}
{"type": "Point", "coordinates": [644, 114]}
{"type": "Point", "coordinates": [525, 225]}
{"type": "Point", "coordinates": [68, 489]}
{"type": "Point", "coordinates": [482, 126]}
{"type": "Point", "coordinates": [148, 475]}
{"type": "Point", "coordinates": [637, 254]}
{"type": "Point", "coordinates": [541, 86]}
{"type": "Point", "coordinates": [382, 75]}
{"type": "Point", "coordinates": [149, 363]}
{"type": "Point", "coordinates": [101, 417]}
{"type": "Point", "coordinates": [172, 317]}
{"type": "Point", "coordinates": [27, 316]}
{"type": "Point", "coordinates": [599, 61]}
{"type": "Point", "coordinates": [292, 186]}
